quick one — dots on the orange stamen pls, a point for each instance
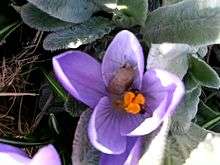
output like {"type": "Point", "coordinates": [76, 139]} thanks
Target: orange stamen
{"type": "Point", "coordinates": [128, 98]}
{"type": "Point", "coordinates": [139, 99]}
{"type": "Point", "coordinates": [133, 102]}
{"type": "Point", "coordinates": [133, 108]}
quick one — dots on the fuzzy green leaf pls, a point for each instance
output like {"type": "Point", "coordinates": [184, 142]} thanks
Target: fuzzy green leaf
{"type": "Point", "coordinates": [130, 12]}
{"type": "Point", "coordinates": [40, 20]}
{"type": "Point", "coordinates": [75, 11]}
{"type": "Point", "coordinates": [202, 51]}
{"type": "Point", "coordinates": [83, 152]}
{"type": "Point", "coordinates": [188, 107]}
{"type": "Point", "coordinates": [194, 22]}
{"type": "Point", "coordinates": [107, 5]}
{"type": "Point", "coordinates": [169, 2]}
{"type": "Point", "coordinates": [203, 73]}
{"type": "Point", "coordinates": [170, 57]}
{"type": "Point", "coordinates": [78, 35]}
{"type": "Point", "coordinates": [179, 147]}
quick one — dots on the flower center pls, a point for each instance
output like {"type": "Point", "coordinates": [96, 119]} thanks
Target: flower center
{"type": "Point", "coordinates": [133, 102]}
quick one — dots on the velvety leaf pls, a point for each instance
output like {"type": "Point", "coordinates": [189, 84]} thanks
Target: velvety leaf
{"type": "Point", "coordinates": [169, 2]}
{"type": "Point", "coordinates": [153, 4]}
{"type": "Point", "coordinates": [83, 152]}
{"type": "Point", "coordinates": [74, 108]}
{"type": "Point", "coordinates": [108, 5]}
{"type": "Point", "coordinates": [75, 11]}
{"type": "Point", "coordinates": [203, 73]}
{"type": "Point", "coordinates": [202, 51]}
{"type": "Point", "coordinates": [78, 35]}
{"type": "Point", "coordinates": [194, 22]}
{"type": "Point", "coordinates": [207, 152]}
{"type": "Point", "coordinates": [187, 109]}
{"type": "Point", "coordinates": [130, 12]}
{"type": "Point", "coordinates": [40, 20]}
{"type": "Point", "coordinates": [170, 57]}
{"type": "Point", "coordinates": [179, 147]}
{"type": "Point", "coordinates": [154, 144]}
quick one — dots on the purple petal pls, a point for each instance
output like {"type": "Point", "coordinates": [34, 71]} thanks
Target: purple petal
{"type": "Point", "coordinates": [104, 131]}
{"type": "Point", "coordinates": [11, 158]}
{"type": "Point", "coordinates": [12, 149]}
{"type": "Point", "coordinates": [12, 155]}
{"type": "Point", "coordinates": [46, 156]}
{"type": "Point", "coordinates": [125, 48]}
{"type": "Point", "coordinates": [130, 157]}
{"type": "Point", "coordinates": [80, 75]}
{"type": "Point", "coordinates": [129, 122]}
{"type": "Point", "coordinates": [163, 92]}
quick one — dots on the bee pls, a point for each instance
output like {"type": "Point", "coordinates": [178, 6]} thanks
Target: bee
{"type": "Point", "coordinates": [122, 80]}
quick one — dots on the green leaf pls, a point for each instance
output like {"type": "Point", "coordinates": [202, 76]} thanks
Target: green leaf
{"type": "Point", "coordinates": [179, 147]}
{"type": "Point", "coordinates": [194, 22]}
{"type": "Point", "coordinates": [53, 123]}
{"type": "Point", "coordinates": [212, 123]}
{"type": "Point", "coordinates": [130, 12]}
{"type": "Point", "coordinates": [78, 35]}
{"type": "Point", "coordinates": [203, 73]}
{"type": "Point", "coordinates": [170, 57]}
{"type": "Point", "coordinates": [107, 5]}
{"type": "Point", "coordinates": [83, 152]}
{"type": "Point", "coordinates": [7, 30]}
{"type": "Point", "coordinates": [169, 2]}
{"type": "Point", "coordinates": [202, 51]}
{"type": "Point", "coordinates": [75, 11]}
{"type": "Point", "coordinates": [74, 108]}
{"type": "Point", "coordinates": [25, 141]}
{"type": "Point", "coordinates": [40, 20]}
{"type": "Point", "coordinates": [207, 112]}
{"type": "Point", "coordinates": [187, 109]}
{"type": "Point", "coordinates": [57, 88]}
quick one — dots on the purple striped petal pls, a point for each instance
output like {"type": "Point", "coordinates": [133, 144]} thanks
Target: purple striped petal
{"type": "Point", "coordinates": [125, 48]}
{"type": "Point", "coordinates": [163, 92]}
{"type": "Point", "coordinates": [104, 131]}
{"type": "Point", "coordinates": [81, 76]}
{"type": "Point", "coordinates": [46, 156]}
{"type": "Point", "coordinates": [130, 157]}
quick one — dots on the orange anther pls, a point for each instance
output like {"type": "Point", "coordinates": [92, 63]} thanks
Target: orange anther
{"type": "Point", "coordinates": [139, 99]}
{"type": "Point", "coordinates": [133, 108]}
{"type": "Point", "coordinates": [133, 102]}
{"type": "Point", "coordinates": [128, 98]}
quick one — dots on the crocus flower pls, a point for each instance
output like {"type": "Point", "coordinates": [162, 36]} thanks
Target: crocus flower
{"type": "Point", "coordinates": [126, 102]}
{"type": "Point", "coordinates": [10, 155]}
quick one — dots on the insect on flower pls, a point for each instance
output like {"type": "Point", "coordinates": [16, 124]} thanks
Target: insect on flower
{"type": "Point", "coordinates": [126, 102]}
{"type": "Point", "coordinates": [122, 79]}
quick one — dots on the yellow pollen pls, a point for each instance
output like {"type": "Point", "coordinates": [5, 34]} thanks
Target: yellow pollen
{"type": "Point", "coordinates": [133, 102]}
